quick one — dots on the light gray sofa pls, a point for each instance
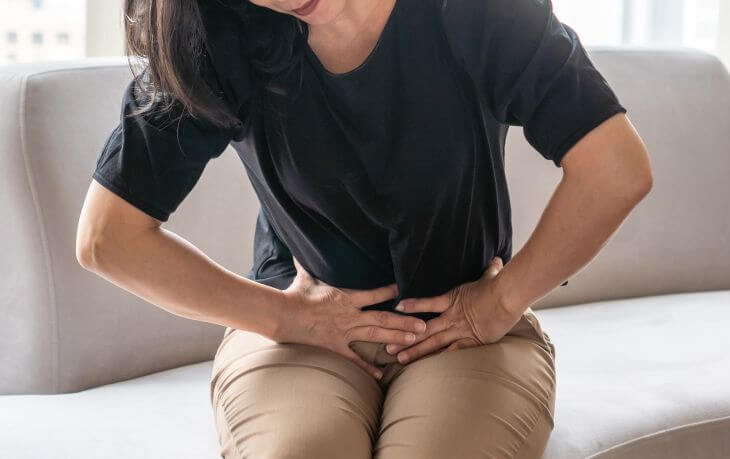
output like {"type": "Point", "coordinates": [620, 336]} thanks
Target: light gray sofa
{"type": "Point", "coordinates": [642, 334]}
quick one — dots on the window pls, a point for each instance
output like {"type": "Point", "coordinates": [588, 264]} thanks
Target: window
{"type": "Point", "coordinates": [40, 30]}
{"type": "Point", "coordinates": [648, 23]}
{"type": "Point", "coordinates": [65, 32]}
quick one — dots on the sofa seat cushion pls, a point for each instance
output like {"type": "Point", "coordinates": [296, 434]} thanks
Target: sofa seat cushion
{"type": "Point", "coordinates": [161, 415]}
{"type": "Point", "coordinates": [637, 378]}
{"type": "Point", "coordinates": [642, 377]}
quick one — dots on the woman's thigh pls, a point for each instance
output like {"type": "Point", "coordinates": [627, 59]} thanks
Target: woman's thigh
{"type": "Point", "coordinates": [495, 400]}
{"type": "Point", "coordinates": [273, 400]}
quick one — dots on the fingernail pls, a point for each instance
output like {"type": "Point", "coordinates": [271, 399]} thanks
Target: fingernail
{"type": "Point", "coordinates": [421, 326]}
{"type": "Point", "coordinates": [410, 337]}
{"type": "Point", "coordinates": [399, 307]}
{"type": "Point", "coordinates": [378, 374]}
{"type": "Point", "coordinates": [402, 358]}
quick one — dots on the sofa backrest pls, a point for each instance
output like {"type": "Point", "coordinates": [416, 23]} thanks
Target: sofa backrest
{"type": "Point", "coordinates": [65, 329]}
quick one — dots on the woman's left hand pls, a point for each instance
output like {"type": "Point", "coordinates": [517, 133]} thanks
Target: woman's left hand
{"type": "Point", "coordinates": [471, 316]}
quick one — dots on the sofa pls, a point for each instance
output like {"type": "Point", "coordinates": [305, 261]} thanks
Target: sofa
{"type": "Point", "coordinates": [642, 333]}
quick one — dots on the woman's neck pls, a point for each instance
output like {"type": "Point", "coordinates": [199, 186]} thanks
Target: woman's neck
{"type": "Point", "coordinates": [345, 42]}
{"type": "Point", "coordinates": [358, 18]}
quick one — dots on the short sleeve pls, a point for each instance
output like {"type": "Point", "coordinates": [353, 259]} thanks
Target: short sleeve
{"type": "Point", "coordinates": [531, 70]}
{"type": "Point", "coordinates": [154, 160]}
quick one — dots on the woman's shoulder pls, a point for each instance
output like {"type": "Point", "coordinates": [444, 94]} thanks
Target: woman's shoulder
{"type": "Point", "coordinates": [474, 27]}
{"type": "Point", "coordinates": [485, 10]}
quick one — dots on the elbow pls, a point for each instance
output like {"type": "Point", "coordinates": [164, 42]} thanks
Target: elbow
{"type": "Point", "coordinates": [641, 185]}
{"type": "Point", "coordinates": [85, 255]}
{"type": "Point", "coordinates": [631, 176]}
{"type": "Point", "coordinates": [640, 177]}
{"type": "Point", "coordinates": [87, 251]}
{"type": "Point", "coordinates": [625, 182]}
{"type": "Point", "coordinates": [85, 242]}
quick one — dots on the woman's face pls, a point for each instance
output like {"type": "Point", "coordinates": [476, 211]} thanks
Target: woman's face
{"type": "Point", "coordinates": [324, 10]}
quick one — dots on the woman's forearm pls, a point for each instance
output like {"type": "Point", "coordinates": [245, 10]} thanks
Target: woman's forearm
{"type": "Point", "coordinates": [166, 270]}
{"type": "Point", "coordinates": [606, 174]}
{"type": "Point", "coordinates": [577, 222]}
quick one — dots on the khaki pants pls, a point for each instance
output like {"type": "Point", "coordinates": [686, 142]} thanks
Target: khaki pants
{"type": "Point", "coordinates": [273, 400]}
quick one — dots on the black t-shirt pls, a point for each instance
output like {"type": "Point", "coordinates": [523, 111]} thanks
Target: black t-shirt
{"type": "Point", "coordinates": [394, 171]}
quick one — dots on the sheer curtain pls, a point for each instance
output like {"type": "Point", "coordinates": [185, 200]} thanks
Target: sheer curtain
{"type": "Point", "coordinates": [701, 24]}
{"type": "Point", "coordinates": [57, 29]}
{"type": "Point", "coordinates": [40, 30]}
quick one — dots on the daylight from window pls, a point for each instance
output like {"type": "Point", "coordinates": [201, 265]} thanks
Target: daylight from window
{"type": "Point", "coordinates": [34, 30]}
{"type": "Point", "coordinates": [39, 30]}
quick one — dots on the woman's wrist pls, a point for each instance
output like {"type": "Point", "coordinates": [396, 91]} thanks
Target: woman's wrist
{"type": "Point", "coordinates": [280, 314]}
{"type": "Point", "coordinates": [260, 309]}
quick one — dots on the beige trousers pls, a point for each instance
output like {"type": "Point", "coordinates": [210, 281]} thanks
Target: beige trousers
{"type": "Point", "coordinates": [273, 400]}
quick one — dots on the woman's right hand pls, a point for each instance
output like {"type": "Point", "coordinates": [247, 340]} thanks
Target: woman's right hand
{"type": "Point", "coordinates": [330, 317]}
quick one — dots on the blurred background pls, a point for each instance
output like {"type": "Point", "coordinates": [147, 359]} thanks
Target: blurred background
{"type": "Point", "coordinates": [32, 30]}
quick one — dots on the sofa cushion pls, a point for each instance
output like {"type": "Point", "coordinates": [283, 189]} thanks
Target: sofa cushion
{"type": "Point", "coordinates": [162, 415]}
{"type": "Point", "coordinates": [642, 378]}
{"type": "Point", "coordinates": [637, 378]}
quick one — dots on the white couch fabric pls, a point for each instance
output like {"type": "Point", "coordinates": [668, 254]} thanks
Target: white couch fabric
{"type": "Point", "coordinates": [642, 378]}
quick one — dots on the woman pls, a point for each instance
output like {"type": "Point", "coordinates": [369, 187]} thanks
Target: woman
{"type": "Point", "coordinates": [373, 135]}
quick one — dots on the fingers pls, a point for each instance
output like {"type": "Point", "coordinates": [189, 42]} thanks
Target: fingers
{"type": "Point", "coordinates": [439, 303]}
{"type": "Point", "coordinates": [355, 358]}
{"type": "Point", "coordinates": [435, 325]}
{"type": "Point", "coordinates": [367, 297]}
{"type": "Point", "coordinates": [376, 334]}
{"type": "Point", "coordinates": [430, 345]}
{"type": "Point", "coordinates": [456, 345]}
{"type": "Point", "coordinates": [393, 348]}
{"type": "Point", "coordinates": [391, 320]}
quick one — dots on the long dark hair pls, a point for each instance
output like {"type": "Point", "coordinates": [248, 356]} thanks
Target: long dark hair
{"type": "Point", "coordinates": [169, 36]}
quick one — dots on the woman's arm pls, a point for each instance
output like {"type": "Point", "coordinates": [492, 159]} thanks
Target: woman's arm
{"type": "Point", "coordinates": [129, 248]}
{"type": "Point", "coordinates": [605, 175]}
{"type": "Point", "coordinates": [123, 244]}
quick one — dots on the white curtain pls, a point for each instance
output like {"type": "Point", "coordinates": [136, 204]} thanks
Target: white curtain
{"type": "Point", "coordinates": [701, 24]}
{"type": "Point", "coordinates": [93, 27]}
{"type": "Point", "coordinates": [723, 42]}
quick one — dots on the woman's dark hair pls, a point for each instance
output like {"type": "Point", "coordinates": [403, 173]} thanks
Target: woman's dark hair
{"type": "Point", "coordinates": [170, 36]}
